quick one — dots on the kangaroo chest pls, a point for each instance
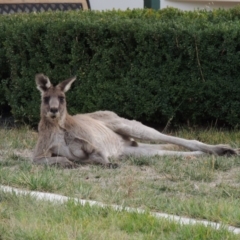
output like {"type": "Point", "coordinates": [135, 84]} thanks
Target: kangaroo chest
{"type": "Point", "coordinates": [97, 136]}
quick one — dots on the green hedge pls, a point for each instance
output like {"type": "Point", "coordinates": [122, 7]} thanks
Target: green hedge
{"type": "Point", "coordinates": [149, 65]}
{"type": "Point", "coordinates": [4, 66]}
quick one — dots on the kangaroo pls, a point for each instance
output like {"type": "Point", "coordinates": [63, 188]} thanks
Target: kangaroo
{"type": "Point", "coordinates": [97, 137]}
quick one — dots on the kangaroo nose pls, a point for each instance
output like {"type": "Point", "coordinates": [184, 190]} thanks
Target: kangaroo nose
{"type": "Point", "coordinates": [53, 110]}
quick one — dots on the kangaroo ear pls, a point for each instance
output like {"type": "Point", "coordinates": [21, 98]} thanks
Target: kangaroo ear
{"type": "Point", "coordinates": [43, 82]}
{"type": "Point", "coordinates": [66, 84]}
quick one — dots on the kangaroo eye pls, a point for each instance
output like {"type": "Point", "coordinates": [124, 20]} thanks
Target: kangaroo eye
{"type": "Point", "coordinates": [61, 99]}
{"type": "Point", "coordinates": [46, 100]}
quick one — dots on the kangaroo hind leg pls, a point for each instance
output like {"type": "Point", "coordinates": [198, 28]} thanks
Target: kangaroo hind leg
{"type": "Point", "coordinates": [137, 130]}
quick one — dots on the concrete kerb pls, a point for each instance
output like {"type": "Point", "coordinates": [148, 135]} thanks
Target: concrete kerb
{"type": "Point", "coordinates": [61, 199]}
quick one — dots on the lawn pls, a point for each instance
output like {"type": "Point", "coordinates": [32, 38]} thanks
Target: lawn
{"type": "Point", "coordinates": [206, 187]}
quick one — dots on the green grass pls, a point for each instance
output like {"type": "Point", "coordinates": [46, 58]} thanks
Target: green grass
{"type": "Point", "coordinates": [206, 187]}
{"type": "Point", "coordinates": [23, 218]}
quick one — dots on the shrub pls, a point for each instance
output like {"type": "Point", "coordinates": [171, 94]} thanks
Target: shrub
{"type": "Point", "coordinates": [149, 65]}
{"type": "Point", "coordinates": [4, 67]}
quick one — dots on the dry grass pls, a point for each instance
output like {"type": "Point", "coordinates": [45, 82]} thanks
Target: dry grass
{"type": "Point", "coordinates": [204, 188]}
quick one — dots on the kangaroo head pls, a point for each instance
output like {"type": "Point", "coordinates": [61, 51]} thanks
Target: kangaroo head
{"type": "Point", "coordinates": [53, 105]}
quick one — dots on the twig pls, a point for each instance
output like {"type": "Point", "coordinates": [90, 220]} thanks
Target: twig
{"type": "Point", "coordinates": [199, 64]}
